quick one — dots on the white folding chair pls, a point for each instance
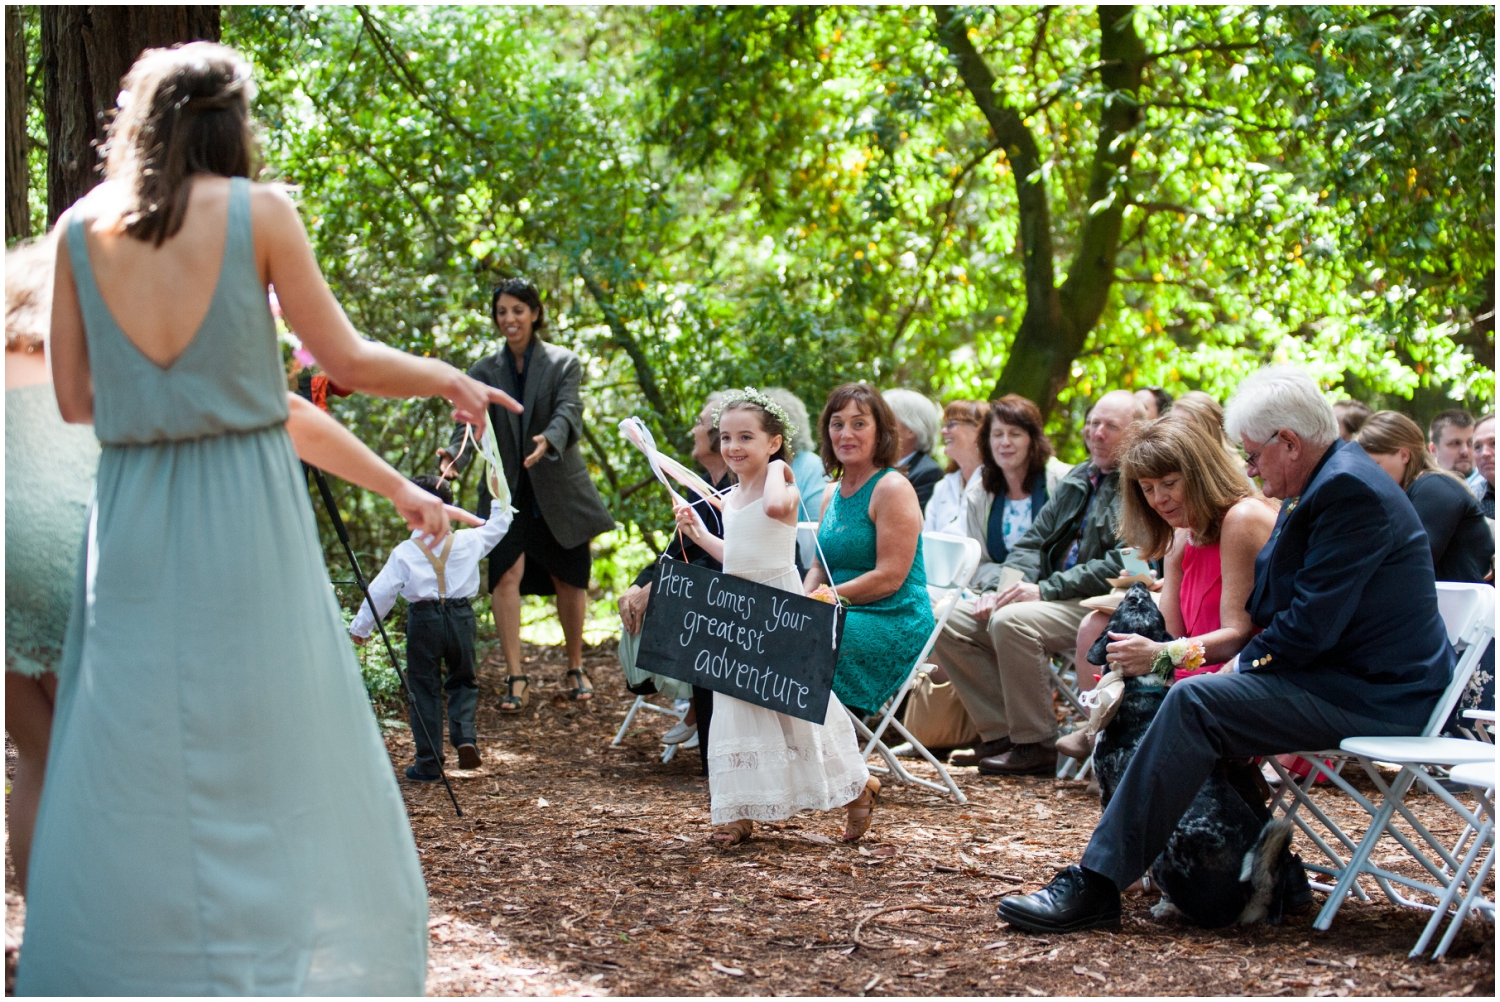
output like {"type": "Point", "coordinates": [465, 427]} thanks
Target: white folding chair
{"type": "Point", "coordinates": [949, 562]}
{"type": "Point", "coordinates": [641, 703]}
{"type": "Point", "coordinates": [1481, 778]}
{"type": "Point", "coordinates": [1418, 757]}
{"type": "Point", "coordinates": [1468, 612]}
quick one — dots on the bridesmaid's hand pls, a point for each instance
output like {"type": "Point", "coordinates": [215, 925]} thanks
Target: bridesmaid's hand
{"type": "Point", "coordinates": [471, 399]}
{"type": "Point", "coordinates": [423, 512]}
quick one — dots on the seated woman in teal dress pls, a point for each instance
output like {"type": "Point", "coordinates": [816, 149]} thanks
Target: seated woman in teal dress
{"type": "Point", "coordinates": [871, 539]}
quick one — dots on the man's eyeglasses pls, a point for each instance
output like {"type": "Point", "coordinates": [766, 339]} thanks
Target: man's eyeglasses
{"type": "Point", "coordinates": [1250, 460]}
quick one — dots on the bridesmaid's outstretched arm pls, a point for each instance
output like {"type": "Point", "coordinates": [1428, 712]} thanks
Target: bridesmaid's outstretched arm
{"type": "Point", "coordinates": [323, 442]}
{"type": "Point", "coordinates": [286, 261]}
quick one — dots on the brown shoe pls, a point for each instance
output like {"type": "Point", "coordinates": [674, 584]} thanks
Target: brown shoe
{"type": "Point", "coordinates": [468, 757]}
{"type": "Point", "coordinates": [982, 750]}
{"type": "Point", "coordinates": [1021, 760]}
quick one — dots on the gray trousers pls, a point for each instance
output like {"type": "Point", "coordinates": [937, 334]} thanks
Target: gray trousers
{"type": "Point", "coordinates": [1203, 719]}
{"type": "Point", "coordinates": [439, 633]}
{"type": "Point", "coordinates": [1000, 665]}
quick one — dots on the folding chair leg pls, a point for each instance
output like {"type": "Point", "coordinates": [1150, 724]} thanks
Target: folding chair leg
{"type": "Point", "coordinates": [629, 718]}
{"type": "Point", "coordinates": [1361, 856]}
{"type": "Point", "coordinates": [1468, 902]}
{"type": "Point", "coordinates": [1459, 877]}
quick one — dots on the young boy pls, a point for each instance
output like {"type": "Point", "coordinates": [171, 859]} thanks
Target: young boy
{"type": "Point", "coordinates": [439, 628]}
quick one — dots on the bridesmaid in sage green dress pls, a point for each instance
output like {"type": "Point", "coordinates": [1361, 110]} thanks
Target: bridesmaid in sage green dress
{"type": "Point", "coordinates": [220, 815]}
{"type": "Point", "coordinates": [871, 537]}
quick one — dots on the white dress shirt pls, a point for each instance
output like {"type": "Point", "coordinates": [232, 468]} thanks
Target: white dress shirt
{"type": "Point", "coordinates": [945, 509]}
{"type": "Point", "coordinates": [407, 572]}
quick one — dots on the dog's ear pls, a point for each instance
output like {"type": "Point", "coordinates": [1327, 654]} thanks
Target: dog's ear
{"type": "Point", "coordinates": [1097, 654]}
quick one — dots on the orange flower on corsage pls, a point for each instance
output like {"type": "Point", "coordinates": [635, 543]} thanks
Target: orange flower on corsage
{"type": "Point", "coordinates": [1186, 654]}
{"type": "Point", "coordinates": [823, 593]}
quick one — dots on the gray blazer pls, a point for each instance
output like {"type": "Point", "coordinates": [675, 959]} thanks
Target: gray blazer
{"type": "Point", "coordinates": [569, 503]}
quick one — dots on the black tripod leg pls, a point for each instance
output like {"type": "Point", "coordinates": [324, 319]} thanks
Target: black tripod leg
{"type": "Point", "coordinates": [359, 579]}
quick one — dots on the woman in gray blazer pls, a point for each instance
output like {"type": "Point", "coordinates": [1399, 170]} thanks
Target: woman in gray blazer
{"type": "Point", "coordinates": [558, 509]}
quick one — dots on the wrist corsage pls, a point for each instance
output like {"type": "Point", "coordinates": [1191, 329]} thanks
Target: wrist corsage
{"type": "Point", "coordinates": [823, 593]}
{"type": "Point", "coordinates": [1186, 654]}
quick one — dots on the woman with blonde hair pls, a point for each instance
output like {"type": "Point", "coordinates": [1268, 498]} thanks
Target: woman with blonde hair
{"type": "Point", "coordinates": [962, 420]}
{"type": "Point", "coordinates": [1462, 547]}
{"type": "Point", "coordinates": [1184, 501]}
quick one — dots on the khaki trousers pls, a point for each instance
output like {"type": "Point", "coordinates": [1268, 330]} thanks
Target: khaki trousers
{"type": "Point", "coordinates": [1000, 666]}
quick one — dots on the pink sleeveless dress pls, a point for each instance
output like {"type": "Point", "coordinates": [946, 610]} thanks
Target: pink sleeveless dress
{"type": "Point", "coordinates": [1202, 587]}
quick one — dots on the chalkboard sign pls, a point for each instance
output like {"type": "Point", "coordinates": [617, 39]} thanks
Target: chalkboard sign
{"type": "Point", "coordinates": [770, 647]}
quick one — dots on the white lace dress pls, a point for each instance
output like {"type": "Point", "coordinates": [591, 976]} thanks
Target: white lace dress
{"type": "Point", "coordinates": [764, 765]}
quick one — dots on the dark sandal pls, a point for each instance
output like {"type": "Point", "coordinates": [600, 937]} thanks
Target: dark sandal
{"type": "Point", "coordinates": [733, 833]}
{"type": "Point", "coordinates": [584, 689]}
{"type": "Point", "coordinates": [513, 703]}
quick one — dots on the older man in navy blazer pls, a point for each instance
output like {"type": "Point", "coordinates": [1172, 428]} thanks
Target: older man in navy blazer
{"type": "Point", "coordinates": [1352, 644]}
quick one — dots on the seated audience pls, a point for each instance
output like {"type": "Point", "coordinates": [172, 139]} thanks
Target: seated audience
{"type": "Point", "coordinates": [632, 602]}
{"type": "Point", "coordinates": [1482, 480]}
{"type": "Point", "coordinates": [1451, 441]}
{"type": "Point", "coordinates": [807, 466]}
{"type": "Point", "coordinates": [1463, 549]}
{"type": "Point", "coordinates": [996, 647]}
{"type": "Point", "coordinates": [918, 421]}
{"type": "Point", "coordinates": [961, 423]}
{"type": "Point", "coordinates": [1351, 415]}
{"type": "Point", "coordinates": [1351, 644]}
{"type": "Point", "coordinates": [1155, 400]}
{"type": "Point", "coordinates": [1185, 502]}
{"type": "Point", "coordinates": [1018, 476]}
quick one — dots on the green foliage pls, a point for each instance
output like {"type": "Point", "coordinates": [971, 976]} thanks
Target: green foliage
{"type": "Point", "coordinates": [713, 197]}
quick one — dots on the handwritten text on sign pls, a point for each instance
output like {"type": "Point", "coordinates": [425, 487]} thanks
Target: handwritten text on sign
{"type": "Point", "coordinates": [766, 646]}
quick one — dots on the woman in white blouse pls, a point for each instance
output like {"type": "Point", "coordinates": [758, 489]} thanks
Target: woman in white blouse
{"type": "Point", "coordinates": [1017, 475]}
{"type": "Point", "coordinates": [961, 421]}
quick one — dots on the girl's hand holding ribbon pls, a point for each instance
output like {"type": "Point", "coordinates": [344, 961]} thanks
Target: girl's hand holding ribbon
{"type": "Point", "coordinates": [688, 522]}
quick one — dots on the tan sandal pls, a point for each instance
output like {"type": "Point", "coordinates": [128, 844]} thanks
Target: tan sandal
{"type": "Point", "coordinates": [860, 809]}
{"type": "Point", "coordinates": [733, 833]}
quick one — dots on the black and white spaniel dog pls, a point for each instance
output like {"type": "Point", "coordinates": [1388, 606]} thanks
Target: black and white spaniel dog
{"type": "Point", "coordinates": [1227, 861]}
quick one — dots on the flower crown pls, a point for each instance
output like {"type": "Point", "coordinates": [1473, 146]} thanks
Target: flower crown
{"type": "Point", "coordinates": [762, 401]}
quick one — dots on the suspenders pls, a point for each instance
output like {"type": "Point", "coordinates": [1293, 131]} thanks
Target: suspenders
{"type": "Point", "coordinates": [439, 564]}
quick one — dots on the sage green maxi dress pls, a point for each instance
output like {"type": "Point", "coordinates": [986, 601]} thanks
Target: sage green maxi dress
{"type": "Point", "coordinates": [220, 815]}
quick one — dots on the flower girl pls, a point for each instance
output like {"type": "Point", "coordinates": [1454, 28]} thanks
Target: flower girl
{"type": "Point", "coordinates": [764, 765]}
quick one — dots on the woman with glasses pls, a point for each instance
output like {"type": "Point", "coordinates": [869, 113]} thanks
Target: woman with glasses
{"type": "Point", "coordinates": [961, 421]}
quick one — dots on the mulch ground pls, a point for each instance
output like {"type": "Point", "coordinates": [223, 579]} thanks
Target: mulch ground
{"type": "Point", "coordinates": [582, 869]}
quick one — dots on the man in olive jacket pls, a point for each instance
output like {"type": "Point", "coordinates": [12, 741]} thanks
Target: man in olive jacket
{"type": "Point", "coordinates": [996, 647]}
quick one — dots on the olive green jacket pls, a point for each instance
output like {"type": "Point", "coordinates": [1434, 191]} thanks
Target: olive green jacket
{"type": "Point", "coordinates": [1040, 553]}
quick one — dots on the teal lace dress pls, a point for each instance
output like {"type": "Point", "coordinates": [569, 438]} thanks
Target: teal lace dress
{"type": "Point", "coordinates": [881, 639]}
{"type": "Point", "coordinates": [220, 815]}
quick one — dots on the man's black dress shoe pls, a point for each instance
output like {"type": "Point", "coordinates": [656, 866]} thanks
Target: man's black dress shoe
{"type": "Point", "coordinates": [1076, 899]}
{"type": "Point", "coordinates": [984, 749]}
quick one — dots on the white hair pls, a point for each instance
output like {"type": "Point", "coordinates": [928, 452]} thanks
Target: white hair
{"type": "Point", "coordinates": [920, 415]}
{"type": "Point", "coordinates": [1281, 397]}
{"type": "Point", "coordinates": [796, 410]}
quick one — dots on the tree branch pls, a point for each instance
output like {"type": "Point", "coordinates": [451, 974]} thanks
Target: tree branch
{"type": "Point", "coordinates": [1152, 57]}
{"type": "Point", "coordinates": [620, 334]}
{"type": "Point", "coordinates": [397, 63]}
{"type": "Point", "coordinates": [609, 473]}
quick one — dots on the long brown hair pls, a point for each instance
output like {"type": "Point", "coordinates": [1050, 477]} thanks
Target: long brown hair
{"type": "Point", "coordinates": [1213, 483]}
{"type": "Point", "coordinates": [1019, 412]}
{"type": "Point", "coordinates": [183, 111]}
{"type": "Point", "coordinates": [886, 441]}
{"type": "Point", "coordinates": [1386, 432]}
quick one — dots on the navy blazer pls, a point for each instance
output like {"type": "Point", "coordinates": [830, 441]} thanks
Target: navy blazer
{"type": "Point", "coordinates": [1344, 589]}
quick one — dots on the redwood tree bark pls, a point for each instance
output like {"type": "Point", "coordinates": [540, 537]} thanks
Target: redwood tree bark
{"type": "Point", "coordinates": [86, 49]}
{"type": "Point", "coordinates": [17, 179]}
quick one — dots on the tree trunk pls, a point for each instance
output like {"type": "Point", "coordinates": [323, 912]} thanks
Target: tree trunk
{"type": "Point", "coordinates": [85, 52]}
{"type": "Point", "coordinates": [17, 177]}
{"type": "Point", "coordinates": [1058, 320]}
